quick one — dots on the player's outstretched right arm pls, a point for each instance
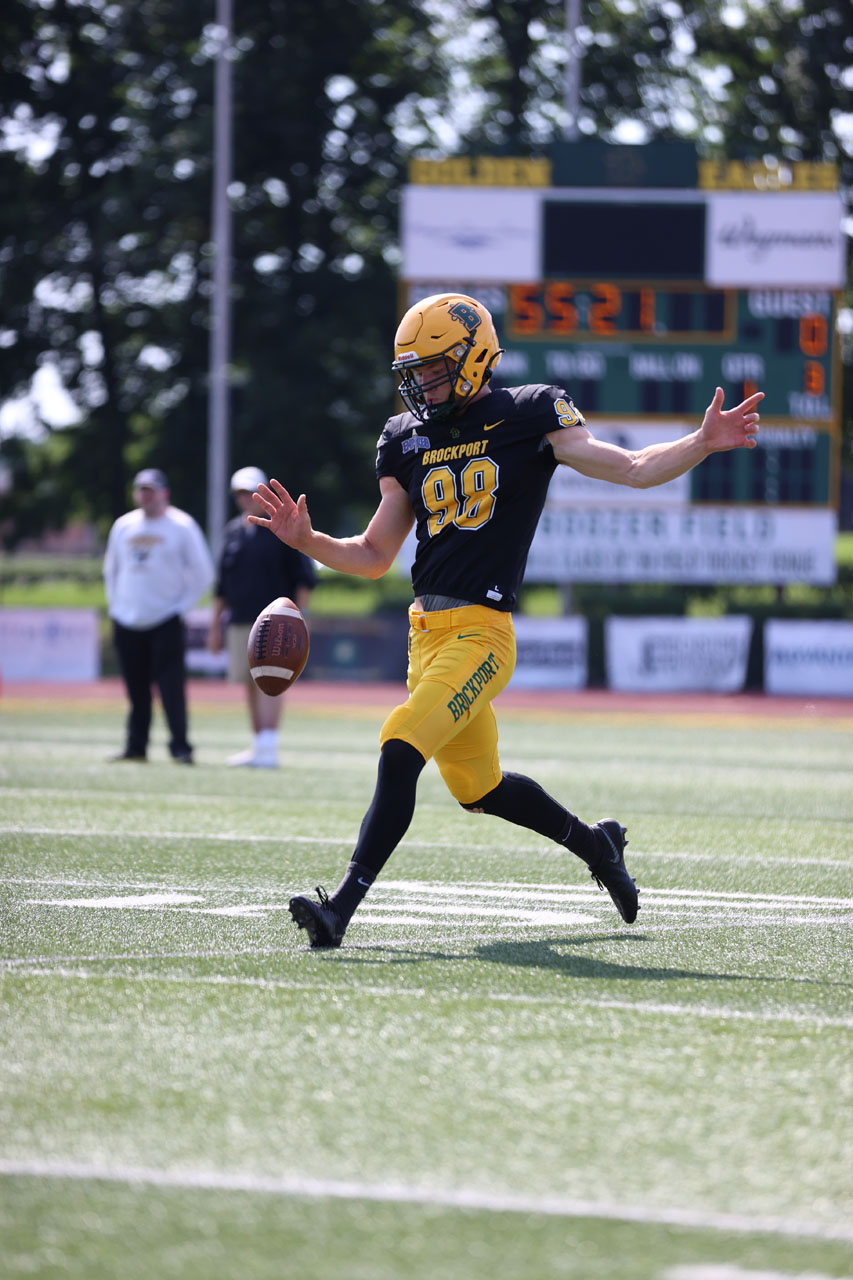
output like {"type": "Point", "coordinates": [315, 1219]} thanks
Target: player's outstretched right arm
{"type": "Point", "coordinates": [367, 555]}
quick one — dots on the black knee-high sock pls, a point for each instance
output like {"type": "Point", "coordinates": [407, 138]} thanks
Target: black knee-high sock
{"type": "Point", "coordinates": [521, 800]}
{"type": "Point", "coordinates": [384, 825]}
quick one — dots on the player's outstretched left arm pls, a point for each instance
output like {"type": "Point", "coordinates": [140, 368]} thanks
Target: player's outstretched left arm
{"type": "Point", "coordinates": [721, 429]}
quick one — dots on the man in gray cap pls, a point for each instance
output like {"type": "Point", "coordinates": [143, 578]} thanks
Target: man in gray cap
{"type": "Point", "coordinates": [156, 567]}
{"type": "Point", "coordinates": [254, 568]}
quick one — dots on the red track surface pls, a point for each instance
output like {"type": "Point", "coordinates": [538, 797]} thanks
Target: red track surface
{"type": "Point", "coordinates": [586, 701]}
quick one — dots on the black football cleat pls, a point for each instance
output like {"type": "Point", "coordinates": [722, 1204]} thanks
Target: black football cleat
{"type": "Point", "coordinates": [320, 920]}
{"type": "Point", "coordinates": [609, 870]}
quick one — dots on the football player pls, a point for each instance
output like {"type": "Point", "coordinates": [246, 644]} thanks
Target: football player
{"type": "Point", "coordinates": [470, 466]}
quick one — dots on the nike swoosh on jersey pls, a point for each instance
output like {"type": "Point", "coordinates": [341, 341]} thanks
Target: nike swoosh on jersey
{"type": "Point", "coordinates": [468, 635]}
{"type": "Point", "coordinates": [489, 426]}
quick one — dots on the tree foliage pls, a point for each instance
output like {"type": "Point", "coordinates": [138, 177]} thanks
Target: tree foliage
{"type": "Point", "coordinates": [105, 254]}
{"type": "Point", "coordinates": [105, 236]}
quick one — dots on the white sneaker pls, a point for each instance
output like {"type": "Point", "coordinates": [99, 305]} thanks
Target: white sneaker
{"type": "Point", "coordinates": [265, 760]}
{"type": "Point", "coordinates": [253, 759]}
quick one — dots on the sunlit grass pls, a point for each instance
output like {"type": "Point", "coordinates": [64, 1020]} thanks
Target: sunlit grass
{"type": "Point", "coordinates": [493, 1076]}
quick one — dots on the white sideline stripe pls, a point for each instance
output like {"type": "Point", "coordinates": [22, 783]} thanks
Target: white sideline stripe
{"type": "Point", "coordinates": [541, 890]}
{"type": "Point", "coordinates": [139, 900]}
{"type": "Point", "coordinates": [377, 914]}
{"type": "Point", "coordinates": [42, 969]}
{"type": "Point", "coordinates": [485, 889]}
{"type": "Point", "coordinates": [722, 1271]}
{"type": "Point", "coordinates": [100, 833]}
{"type": "Point", "coordinates": [382, 912]}
{"type": "Point", "coordinates": [399, 1193]}
{"type": "Point", "coordinates": [392, 913]}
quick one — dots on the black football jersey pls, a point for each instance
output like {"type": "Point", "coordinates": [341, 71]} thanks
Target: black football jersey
{"type": "Point", "coordinates": [477, 483]}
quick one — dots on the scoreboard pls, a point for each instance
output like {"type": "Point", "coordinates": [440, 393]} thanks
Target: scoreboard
{"type": "Point", "coordinates": [640, 300]}
{"type": "Point", "coordinates": [652, 350]}
{"type": "Point", "coordinates": [663, 345]}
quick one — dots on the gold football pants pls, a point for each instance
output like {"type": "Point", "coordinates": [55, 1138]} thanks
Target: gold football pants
{"type": "Point", "coordinates": [459, 660]}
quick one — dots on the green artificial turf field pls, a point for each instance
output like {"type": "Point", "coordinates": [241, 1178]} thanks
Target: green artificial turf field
{"type": "Point", "coordinates": [494, 1077]}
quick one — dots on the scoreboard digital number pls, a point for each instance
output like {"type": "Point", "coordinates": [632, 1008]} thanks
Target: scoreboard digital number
{"type": "Point", "coordinates": [656, 348]}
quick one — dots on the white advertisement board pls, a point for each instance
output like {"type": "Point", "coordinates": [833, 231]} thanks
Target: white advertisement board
{"type": "Point", "coordinates": [808, 657]}
{"type": "Point", "coordinates": [49, 644]}
{"type": "Point", "coordinates": [470, 234]}
{"type": "Point", "coordinates": [673, 655]}
{"type": "Point", "coordinates": [598, 543]}
{"type": "Point", "coordinates": [552, 653]}
{"type": "Point", "coordinates": [786, 239]}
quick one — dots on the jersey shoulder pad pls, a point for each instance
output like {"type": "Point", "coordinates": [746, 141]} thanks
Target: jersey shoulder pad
{"type": "Point", "coordinates": [400, 425]}
{"type": "Point", "coordinates": [392, 445]}
{"type": "Point", "coordinates": [550, 407]}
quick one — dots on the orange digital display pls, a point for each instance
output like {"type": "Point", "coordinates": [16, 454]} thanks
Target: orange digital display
{"type": "Point", "coordinates": [602, 309]}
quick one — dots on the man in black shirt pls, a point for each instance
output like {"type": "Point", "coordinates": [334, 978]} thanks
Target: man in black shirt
{"type": "Point", "coordinates": [254, 569]}
{"type": "Point", "coordinates": [470, 467]}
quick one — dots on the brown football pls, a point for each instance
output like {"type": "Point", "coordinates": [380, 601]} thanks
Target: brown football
{"type": "Point", "coordinates": [278, 646]}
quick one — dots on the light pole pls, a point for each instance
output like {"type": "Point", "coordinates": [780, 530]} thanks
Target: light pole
{"type": "Point", "coordinates": [220, 317]}
{"type": "Point", "coordinates": [573, 69]}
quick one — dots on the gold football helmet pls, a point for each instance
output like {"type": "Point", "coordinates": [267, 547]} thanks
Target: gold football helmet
{"type": "Point", "coordinates": [445, 351]}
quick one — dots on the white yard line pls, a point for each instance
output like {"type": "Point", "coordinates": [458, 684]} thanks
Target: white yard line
{"type": "Point", "coordinates": [69, 970]}
{"type": "Point", "coordinates": [481, 907]}
{"type": "Point", "coordinates": [119, 902]}
{"type": "Point", "coordinates": [511, 890]}
{"type": "Point", "coordinates": [507, 891]}
{"type": "Point", "coordinates": [723, 1271]}
{"type": "Point", "coordinates": [400, 902]}
{"type": "Point", "coordinates": [434, 1197]}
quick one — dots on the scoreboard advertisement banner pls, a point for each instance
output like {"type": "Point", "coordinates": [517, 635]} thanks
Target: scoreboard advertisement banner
{"type": "Point", "coordinates": [639, 302]}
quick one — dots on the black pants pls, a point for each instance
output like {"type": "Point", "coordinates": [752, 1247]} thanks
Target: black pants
{"type": "Point", "coordinates": [155, 656]}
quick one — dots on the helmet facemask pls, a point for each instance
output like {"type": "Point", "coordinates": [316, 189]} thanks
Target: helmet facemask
{"type": "Point", "coordinates": [448, 341]}
{"type": "Point", "coordinates": [418, 378]}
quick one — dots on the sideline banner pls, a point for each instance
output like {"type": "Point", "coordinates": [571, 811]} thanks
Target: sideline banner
{"type": "Point", "coordinates": [552, 653]}
{"type": "Point", "coordinates": [372, 648]}
{"type": "Point", "coordinates": [199, 660]}
{"type": "Point", "coordinates": [676, 655]}
{"type": "Point", "coordinates": [808, 657]}
{"type": "Point", "coordinates": [49, 644]}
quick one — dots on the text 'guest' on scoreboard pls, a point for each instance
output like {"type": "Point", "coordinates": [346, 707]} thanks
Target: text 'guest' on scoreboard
{"type": "Point", "coordinates": [639, 279]}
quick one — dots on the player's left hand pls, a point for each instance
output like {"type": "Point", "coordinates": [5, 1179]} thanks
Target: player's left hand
{"type": "Point", "coordinates": [731, 428]}
{"type": "Point", "coordinates": [288, 520]}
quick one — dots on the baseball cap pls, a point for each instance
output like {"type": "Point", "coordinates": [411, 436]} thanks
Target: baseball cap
{"type": "Point", "coordinates": [247, 479]}
{"type": "Point", "coordinates": [151, 478]}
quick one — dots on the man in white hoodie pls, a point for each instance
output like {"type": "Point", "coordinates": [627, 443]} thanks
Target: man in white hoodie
{"type": "Point", "coordinates": [157, 566]}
